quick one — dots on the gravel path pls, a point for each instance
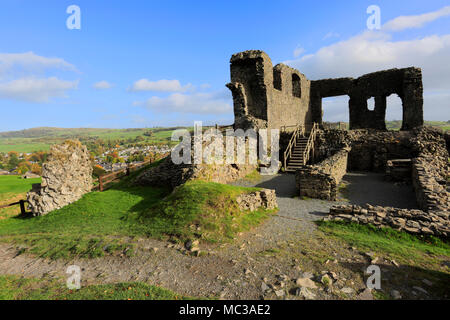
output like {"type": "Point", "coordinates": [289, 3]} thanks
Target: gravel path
{"type": "Point", "coordinates": [289, 204]}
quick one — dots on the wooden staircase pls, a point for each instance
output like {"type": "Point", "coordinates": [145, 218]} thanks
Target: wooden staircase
{"type": "Point", "coordinates": [298, 152]}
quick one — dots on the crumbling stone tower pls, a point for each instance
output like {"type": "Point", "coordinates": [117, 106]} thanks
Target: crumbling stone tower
{"type": "Point", "coordinates": [281, 97]}
{"type": "Point", "coordinates": [265, 96]}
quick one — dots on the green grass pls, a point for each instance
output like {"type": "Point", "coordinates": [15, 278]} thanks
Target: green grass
{"type": "Point", "coordinates": [201, 209]}
{"type": "Point", "coordinates": [86, 228]}
{"type": "Point", "coordinates": [15, 184]}
{"type": "Point", "coordinates": [253, 176]}
{"type": "Point", "coordinates": [13, 189]}
{"type": "Point", "coordinates": [102, 222]}
{"type": "Point", "coordinates": [15, 288]}
{"type": "Point", "coordinates": [398, 244]}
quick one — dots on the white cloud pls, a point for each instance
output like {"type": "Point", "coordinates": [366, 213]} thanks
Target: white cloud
{"type": "Point", "coordinates": [23, 76]}
{"type": "Point", "coordinates": [36, 90]}
{"type": "Point", "coordinates": [331, 34]}
{"type": "Point", "coordinates": [102, 85]}
{"type": "Point", "coordinates": [29, 61]}
{"type": "Point", "coordinates": [298, 51]}
{"type": "Point", "coordinates": [371, 51]}
{"type": "Point", "coordinates": [417, 21]}
{"type": "Point", "coordinates": [159, 86]}
{"type": "Point", "coordinates": [196, 103]}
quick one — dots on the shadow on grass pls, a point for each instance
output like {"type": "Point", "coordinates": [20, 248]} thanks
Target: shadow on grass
{"type": "Point", "coordinates": [408, 280]}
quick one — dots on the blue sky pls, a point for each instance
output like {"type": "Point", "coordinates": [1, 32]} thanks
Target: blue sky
{"type": "Point", "coordinates": [163, 63]}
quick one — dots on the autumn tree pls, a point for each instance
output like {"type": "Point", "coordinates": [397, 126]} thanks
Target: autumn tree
{"type": "Point", "coordinates": [13, 160]}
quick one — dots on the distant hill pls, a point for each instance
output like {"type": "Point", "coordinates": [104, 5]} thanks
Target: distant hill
{"type": "Point", "coordinates": [53, 132]}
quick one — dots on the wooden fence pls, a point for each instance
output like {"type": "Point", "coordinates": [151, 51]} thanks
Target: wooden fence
{"type": "Point", "coordinates": [20, 202]}
{"type": "Point", "coordinates": [106, 179]}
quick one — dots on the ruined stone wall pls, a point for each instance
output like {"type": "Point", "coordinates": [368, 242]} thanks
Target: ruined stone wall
{"type": "Point", "coordinates": [406, 83]}
{"type": "Point", "coordinates": [411, 221]}
{"type": "Point", "coordinates": [169, 174]}
{"type": "Point", "coordinates": [272, 97]}
{"type": "Point", "coordinates": [430, 171]}
{"type": "Point", "coordinates": [321, 181]}
{"type": "Point", "coordinates": [371, 150]}
{"type": "Point", "coordinates": [289, 107]}
{"type": "Point", "coordinates": [66, 177]}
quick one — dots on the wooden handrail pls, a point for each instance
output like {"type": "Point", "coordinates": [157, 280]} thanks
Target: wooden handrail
{"type": "Point", "coordinates": [299, 129]}
{"type": "Point", "coordinates": [310, 143]}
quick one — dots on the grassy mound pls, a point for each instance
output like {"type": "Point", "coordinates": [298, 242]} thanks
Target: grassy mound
{"type": "Point", "coordinates": [15, 288]}
{"type": "Point", "coordinates": [106, 222]}
{"type": "Point", "coordinates": [204, 210]}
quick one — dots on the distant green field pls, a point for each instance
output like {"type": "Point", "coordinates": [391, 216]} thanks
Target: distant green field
{"type": "Point", "coordinates": [40, 139]}
{"type": "Point", "coordinates": [7, 145]}
{"type": "Point", "coordinates": [396, 125]}
{"type": "Point", "coordinates": [15, 184]}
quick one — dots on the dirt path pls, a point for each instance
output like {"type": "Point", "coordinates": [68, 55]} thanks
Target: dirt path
{"type": "Point", "coordinates": [262, 263]}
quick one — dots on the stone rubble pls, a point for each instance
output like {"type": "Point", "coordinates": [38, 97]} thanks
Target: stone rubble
{"type": "Point", "coordinates": [265, 198]}
{"type": "Point", "coordinates": [411, 221]}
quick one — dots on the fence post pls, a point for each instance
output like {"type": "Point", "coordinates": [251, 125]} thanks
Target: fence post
{"type": "Point", "coordinates": [100, 182]}
{"type": "Point", "coordinates": [22, 207]}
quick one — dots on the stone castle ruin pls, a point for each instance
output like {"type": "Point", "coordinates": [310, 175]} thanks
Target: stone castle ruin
{"type": "Point", "coordinates": [276, 97]}
{"type": "Point", "coordinates": [280, 97]}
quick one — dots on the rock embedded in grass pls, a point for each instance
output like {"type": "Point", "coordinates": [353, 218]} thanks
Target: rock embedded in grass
{"type": "Point", "coordinates": [306, 282]}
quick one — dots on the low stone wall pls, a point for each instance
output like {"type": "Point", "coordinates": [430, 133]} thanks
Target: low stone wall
{"type": "Point", "coordinates": [168, 174]}
{"type": "Point", "coordinates": [399, 170]}
{"type": "Point", "coordinates": [66, 177]}
{"type": "Point", "coordinates": [265, 198]}
{"type": "Point", "coordinates": [370, 150]}
{"type": "Point", "coordinates": [430, 171]}
{"type": "Point", "coordinates": [412, 221]}
{"type": "Point", "coordinates": [321, 181]}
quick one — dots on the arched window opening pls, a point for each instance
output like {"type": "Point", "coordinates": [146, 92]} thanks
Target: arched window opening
{"type": "Point", "coordinates": [296, 87]}
{"type": "Point", "coordinates": [371, 104]}
{"type": "Point", "coordinates": [394, 112]}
